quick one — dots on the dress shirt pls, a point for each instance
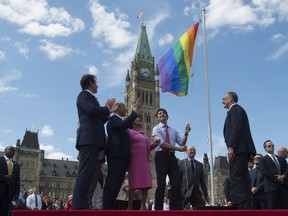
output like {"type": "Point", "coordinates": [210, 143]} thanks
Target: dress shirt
{"type": "Point", "coordinates": [30, 202]}
{"type": "Point", "coordinates": [160, 133]}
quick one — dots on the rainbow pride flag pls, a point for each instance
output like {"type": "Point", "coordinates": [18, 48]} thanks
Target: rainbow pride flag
{"type": "Point", "coordinates": [174, 66]}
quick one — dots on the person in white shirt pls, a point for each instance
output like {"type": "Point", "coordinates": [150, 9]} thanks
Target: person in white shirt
{"type": "Point", "coordinates": [34, 201]}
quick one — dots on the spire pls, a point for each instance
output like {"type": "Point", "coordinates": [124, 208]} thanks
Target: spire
{"type": "Point", "coordinates": [30, 140]}
{"type": "Point", "coordinates": [143, 52]}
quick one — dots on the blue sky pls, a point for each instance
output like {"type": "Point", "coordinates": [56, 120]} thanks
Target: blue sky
{"type": "Point", "coordinates": [46, 46]}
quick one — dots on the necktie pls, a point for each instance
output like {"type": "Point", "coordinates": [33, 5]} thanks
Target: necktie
{"type": "Point", "coordinates": [192, 167]}
{"type": "Point", "coordinates": [256, 176]}
{"type": "Point", "coordinates": [167, 138]}
{"type": "Point", "coordinates": [276, 163]}
{"type": "Point", "coordinates": [36, 201]}
{"type": "Point", "coordinates": [10, 168]}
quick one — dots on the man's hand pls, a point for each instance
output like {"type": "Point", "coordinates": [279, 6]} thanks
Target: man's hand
{"type": "Point", "coordinates": [231, 155]}
{"type": "Point", "coordinates": [280, 178]}
{"type": "Point", "coordinates": [138, 104]}
{"type": "Point", "coordinates": [187, 129]}
{"type": "Point", "coordinates": [182, 148]}
{"type": "Point", "coordinates": [8, 178]}
{"type": "Point", "coordinates": [254, 190]}
{"type": "Point", "coordinates": [110, 102]}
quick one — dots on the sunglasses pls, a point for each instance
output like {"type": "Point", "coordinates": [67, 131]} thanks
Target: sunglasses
{"type": "Point", "coordinates": [269, 146]}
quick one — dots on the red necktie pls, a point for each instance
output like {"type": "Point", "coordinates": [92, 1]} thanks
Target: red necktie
{"type": "Point", "coordinates": [167, 138]}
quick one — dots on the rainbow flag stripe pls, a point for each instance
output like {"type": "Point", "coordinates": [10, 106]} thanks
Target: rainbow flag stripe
{"type": "Point", "coordinates": [174, 66]}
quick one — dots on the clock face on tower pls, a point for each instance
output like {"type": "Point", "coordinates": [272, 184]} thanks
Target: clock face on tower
{"type": "Point", "coordinates": [144, 72]}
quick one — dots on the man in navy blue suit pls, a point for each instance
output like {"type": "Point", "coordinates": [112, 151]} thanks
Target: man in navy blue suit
{"type": "Point", "coordinates": [275, 171]}
{"type": "Point", "coordinates": [241, 149]}
{"type": "Point", "coordinates": [118, 152]}
{"type": "Point", "coordinates": [9, 180]}
{"type": "Point", "coordinates": [90, 139]}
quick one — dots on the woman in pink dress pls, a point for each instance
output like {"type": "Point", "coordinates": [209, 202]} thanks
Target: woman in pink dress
{"type": "Point", "coordinates": [139, 173]}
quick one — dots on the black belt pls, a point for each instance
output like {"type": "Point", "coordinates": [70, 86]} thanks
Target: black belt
{"type": "Point", "coordinates": [165, 153]}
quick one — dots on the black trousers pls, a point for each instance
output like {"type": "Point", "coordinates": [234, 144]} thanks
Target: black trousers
{"type": "Point", "coordinates": [88, 157]}
{"type": "Point", "coordinates": [166, 164]}
{"type": "Point", "coordinates": [239, 181]}
{"type": "Point", "coordinates": [117, 168]}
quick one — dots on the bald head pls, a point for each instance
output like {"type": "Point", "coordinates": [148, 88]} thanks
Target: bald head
{"type": "Point", "coordinates": [191, 152]}
{"type": "Point", "coordinates": [282, 152]}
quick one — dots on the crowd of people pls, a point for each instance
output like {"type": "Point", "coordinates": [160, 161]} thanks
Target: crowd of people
{"type": "Point", "coordinates": [127, 150]}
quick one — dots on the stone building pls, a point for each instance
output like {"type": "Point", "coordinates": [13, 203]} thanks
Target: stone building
{"type": "Point", "coordinates": [220, 172]}
{"type": "Point", "coordinates": [55, 178]}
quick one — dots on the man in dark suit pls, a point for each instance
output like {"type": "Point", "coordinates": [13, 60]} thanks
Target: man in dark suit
{"type": "Point", "coordinates": [257, 185]}
{"type": "Point", "coordinates": [192, 178]}
{"type": "Point", "coordinates": [118, 152]}
{"type": "Point", "coordinates": [9, 180]}
{"type": "Point", "coordinates": [275, 173]}
{"type": "Point", "coordinates": [241, 149]}
{"type": "Point", "coordinates": [90, 138]}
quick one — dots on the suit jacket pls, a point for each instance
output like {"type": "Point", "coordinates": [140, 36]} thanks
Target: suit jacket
{"type": "Point", "coordinates": [237, 132]}
{"type": "Point", "coordinates": [92, 118]}
{"type": "Point", "coordinates": [14, 185]}
{"type": "Point", "coordinates": [257, 180]}
{"type": "Point", "coordinates": [269, 170]}
{"type": "Point", "coordinates": [190, 182]}
{"type": "Point", "coordinates": [118, 138]}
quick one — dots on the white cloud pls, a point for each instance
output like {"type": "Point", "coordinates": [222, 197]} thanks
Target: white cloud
{"type": "Point", "coordinates": [25, 95]}
{"type": "Point", "coordinates": [35, 17]}
{"type": "Point", "coordinates": [166, 39]}
{"type": "Point", "coordinates": [54, 51]}
{"type": "Point", "coordinates": [47, 148]}
{"type": "Point", "coordinates": [22, 49]}
{"type": "Point", "coordinates": [46, 131]}
{"type": "Point", "coordinates": [7, 131]}
{"type": "Point", "coordinates": [239, 15]}
{"type": "Point", "coordinates": [58, 156]}
{"type": "Point", "coordinates": [108, 27]}
{"type": "Point", "coordinates": [53, 153]}
{"type": "Point", "coordinates": [234, 14]}
{"type": "Point", "coordinates": [71, 140]}
{"type": "Point", "coordinates": [2, 55]}
{"type": "Point", "coordinates": [278, 38]}
{"type": "Point", "coordinates": [11, 75]}
{"type": "Point", "coordinates": [279, 52]}
{"type": "Point", "coordinates": [155, 21]}
{"type": "Point", "coordinates": [92, 70]}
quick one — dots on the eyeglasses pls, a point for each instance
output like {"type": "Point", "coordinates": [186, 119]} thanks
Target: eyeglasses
{"type": "Point", "coordinates": [269, 146]}
{"type": "Point", "coordinates": [257, 158]}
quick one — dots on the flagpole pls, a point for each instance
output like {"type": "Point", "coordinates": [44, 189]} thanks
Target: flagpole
{"type": "Point", "coordinates": [209, 112]}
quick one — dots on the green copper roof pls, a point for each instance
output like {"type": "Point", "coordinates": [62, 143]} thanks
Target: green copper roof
{"type": "Point", "coordinates": [143, 52]}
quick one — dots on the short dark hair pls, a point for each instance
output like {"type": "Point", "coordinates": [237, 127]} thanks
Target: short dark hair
{"type": "Point", "coordinates": [234, 96]}
{"type": "Point", "coordinates": [161, 109]}
{"type": "Point", "coordinates": [86, 80]}
{"type": "Point", "coordinates": [266, 142]}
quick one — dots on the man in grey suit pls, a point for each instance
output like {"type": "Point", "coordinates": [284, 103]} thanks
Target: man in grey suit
{"type": "Point", "coordinates": [241, 149]}
{"type": "Point", "coordinates": [192, 178]}
{"type": "Point", "coordinates": [90, 138]}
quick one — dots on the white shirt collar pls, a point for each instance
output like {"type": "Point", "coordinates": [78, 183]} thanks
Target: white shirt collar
{"type": "Point", "coordinates": [231, 106]}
